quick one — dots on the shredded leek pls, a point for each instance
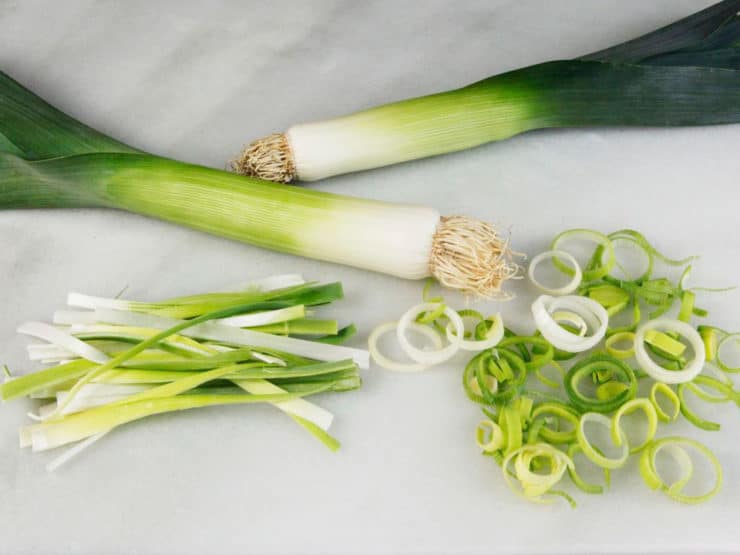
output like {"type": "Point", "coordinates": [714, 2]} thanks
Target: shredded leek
{"type": "Point", "coordinates": [143, 371]}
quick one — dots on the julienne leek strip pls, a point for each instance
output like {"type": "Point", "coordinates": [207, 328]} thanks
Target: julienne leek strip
{"type": "Point", "coordinates": [656, 82]}
{"type": "Point", "coordinates": [219, 364]}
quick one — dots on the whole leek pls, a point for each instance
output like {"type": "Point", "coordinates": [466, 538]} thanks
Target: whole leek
{"type": "Point", "coordinates": [685, 74]}
{"type": "Point", "coordinates": [401, 240]}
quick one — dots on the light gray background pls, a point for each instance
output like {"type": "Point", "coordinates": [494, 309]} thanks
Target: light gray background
{"type": "Point", "coordinates": [196, 80]}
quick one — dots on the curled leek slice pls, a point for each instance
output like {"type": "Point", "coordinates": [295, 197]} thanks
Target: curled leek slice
{"type": "Point", "coordinates": [491, 338]}
{"type": "Point", "coordinates": [615, 396]}
{"type": "Point", "coordinates": [592, 313]}
{"type": "Point", "coordinates": [729, 339]}
{"type": "Point", "coordinates": [578, 480]}
{"type": "Point", "coordinates": [390, 364]}
{"type": "Point", "coordinates": [657, 372]}
{"type": "Point", "coordinates": [665, 391]}
{"type": "Point", "coordinates": [591, 451]}
{"type": "Point", "coordinates": [676, 447]}
{"type": "Point", "coordinates": [620, 337]}
{"type": "Point", "coordinates": [489, 436]}
{"type": "Point", "coordinates": [533, 485]}
{"type": "Point", "coordinates": [630, 406]}
{"type": "Point", "coordinates": [430, 357]}
{"type": "Point", "coordinates": [575, 272]}
{"type": "Point", "coordinates": [592, 273]}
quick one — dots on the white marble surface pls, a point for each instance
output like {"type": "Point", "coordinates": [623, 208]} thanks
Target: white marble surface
{"type": "Point", "coordinates": [194, 80]}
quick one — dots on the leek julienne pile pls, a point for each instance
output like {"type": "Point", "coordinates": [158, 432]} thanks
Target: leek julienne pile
{"type": "Point", "coordinates": [685, 74]}
{"type": "Point", "coordinates": [49, 160]}
{"type": "Point", "coordinates": [120, 361]}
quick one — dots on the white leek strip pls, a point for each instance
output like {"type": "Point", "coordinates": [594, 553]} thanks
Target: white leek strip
{"type": "Point", "coordinates": [295, 407]}
{"type": "Point", "coordinates": [73, 451]}
{"type": "Point", "coordinates": [48, 352]}
{"type": "Point", "coordinates": [81, 425]}
{"type": "Point", "coordinates": [139, 333]}
{"type": "Point", "coordinates": [64, 340]}
{"type": "Point", "coordinates": [88, 301]}
{"type": "Point", "coordinates": [494, 335]}
{"type": "Point", "coordinates": [69, 317]}
{"type": "Point", "coordinates": [266, 317]}
{"type": "Point", "coordinates": [592, 313]}
{"type": "Point", "coordinates": [657, 372]}
{"type": "Point", "coordinates": [390, 364]}
{"type": "Point", "coordinates": [566, 289]}
{"type": "Point", "coordinates": [430, 357]}
{"type": "Point", "coordinates": [265, 284]}
{"type": "Point", "coordinates": [91, 395]}
{"type": "Point", "coordinates": [214, 331]}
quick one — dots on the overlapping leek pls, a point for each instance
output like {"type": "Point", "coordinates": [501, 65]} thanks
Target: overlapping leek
{"type": "Point", "coordinates": [127, 360]}
{"type": "Point", "coordinates": [685, 74]}
{"type": "Point", "coordinates": [49, 160]}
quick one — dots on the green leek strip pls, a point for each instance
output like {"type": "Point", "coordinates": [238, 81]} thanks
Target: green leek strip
{"type": "Point", "coordinates": [709, 337]}
{"type": "Point", "coordinates": [177, 344]}
{"type": "Point", "coordinates": [687, 306]}
{"type": "Point", "coordinates": [665, 344]}
{"type": "Point", "coordinates": [340, 337]}
{"type": "Point", "coordinates": [573, 450]}
{"type": "Point", "coordinates": [589, 273]}
{"type": "Point", "coordinates": [659, 388]}
{"type": "Point", "coordinates": [653, 480]}
{"type": "Point", "coordinates": [48, 377]}
{"type": "Point", "coordinates": [589, 365]}
{"type": "Point", "coordinates": [300, 326]}
{"type": "Point", "coordinates": [556, 412]}
{"type": "Point", "coordinates": [510, 422]}
{"type": "Point", "coordinates": [691, 416]}
{"type": "Point", "coordinates": [618, 434]}
{"type": "Point", "coordinates": [74, 427]}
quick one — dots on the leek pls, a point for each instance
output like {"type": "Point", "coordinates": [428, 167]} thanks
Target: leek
{"type": "Point", "coordinates": [685, 74]}
{"type": "Point", "coordinates": [109, 382]}
{"type": "Point", "coordinates": [401, 240]}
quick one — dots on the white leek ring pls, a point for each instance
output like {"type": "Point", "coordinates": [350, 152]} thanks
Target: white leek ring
{"type": "Point", "coordinates": [566, 289]}
{"type": "Point", "coordinates": [657, 372]}
{"type": "Point", "coordinates": [397, 366]}
{"type": "Point", "coordinates": [430, 357]}
{"type": "Point", "coordinates": [494, 335]}
{"type": "Point", "coordinates": [589, 310]}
